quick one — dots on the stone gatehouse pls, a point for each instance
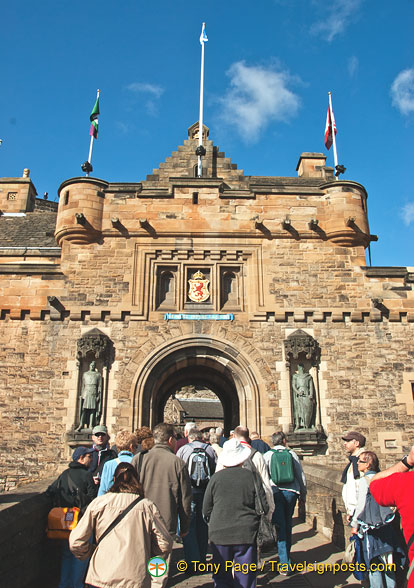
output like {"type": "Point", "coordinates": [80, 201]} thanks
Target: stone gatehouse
{"type": "Point", "coordinates": [255, 288]}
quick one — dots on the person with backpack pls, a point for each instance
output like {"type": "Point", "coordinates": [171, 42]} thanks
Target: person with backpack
{"type": "Point", "coordinates": [288, 484]}
{"type": "Point", "coordinates": [201, 463]}
{"type": "Point", "coordinates": [74, 487]}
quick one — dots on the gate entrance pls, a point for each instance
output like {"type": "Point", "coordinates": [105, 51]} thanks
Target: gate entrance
{"type": "Point", "coordinates": [200, 361]}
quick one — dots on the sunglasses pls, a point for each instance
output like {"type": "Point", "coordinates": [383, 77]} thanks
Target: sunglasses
{"type": "Point", "coordinates": [362, 461]}
{"type": "Point", "coordinates": [100, 434]}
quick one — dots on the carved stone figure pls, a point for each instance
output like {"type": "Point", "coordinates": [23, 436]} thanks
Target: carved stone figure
{"type": "Point", "coordinates": [91, 398]}
{"type": "Point", "coordinates": [303, 398]}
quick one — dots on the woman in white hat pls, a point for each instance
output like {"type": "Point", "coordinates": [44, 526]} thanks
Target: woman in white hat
{"type": "Point", "coordinates": [229, 508]}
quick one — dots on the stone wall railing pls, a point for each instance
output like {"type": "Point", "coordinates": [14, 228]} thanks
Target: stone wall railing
{"type": "Point", "coordinates": [28, 559]}
{"type": "Point", "coordinates": [325, 510]}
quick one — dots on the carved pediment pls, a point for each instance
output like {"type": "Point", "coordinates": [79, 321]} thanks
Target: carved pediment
{"type": "Point", "coordinates": [300, 342]}
{"type": "Point", "coordinates": [96, 342]}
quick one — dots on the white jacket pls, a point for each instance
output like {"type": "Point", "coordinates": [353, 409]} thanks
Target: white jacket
{"type": "Point", "coordinates": [350, 488]}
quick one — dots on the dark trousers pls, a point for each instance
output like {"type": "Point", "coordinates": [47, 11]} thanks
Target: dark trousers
{"type": "Point", "coordinates": [196, 542]}
{"type": "Point", "coordinates": [239, 554]}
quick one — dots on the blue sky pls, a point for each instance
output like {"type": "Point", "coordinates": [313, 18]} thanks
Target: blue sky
{"type": "Point", "coordinates": [269, 67]}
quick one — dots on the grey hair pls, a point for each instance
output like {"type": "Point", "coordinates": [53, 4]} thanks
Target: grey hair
{"type": "Point", "coordinates": [278, 438]}
{"type": "Point", "coordinates": [195, 435]}
{"type": "Point", "coordinates": [188, 427]}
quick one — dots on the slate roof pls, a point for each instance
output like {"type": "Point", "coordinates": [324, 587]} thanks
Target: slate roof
{"type": "Point", "coordinates": [36, 229]}
{"type": "Point", "coordinates": [205, 409]}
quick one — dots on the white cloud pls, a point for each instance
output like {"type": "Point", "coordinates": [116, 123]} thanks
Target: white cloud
{"type": "Point", "coordinates": [144, 87]}
{"type": "Point", "coordinates": [256, 96]}
{"type": "Point", "coordinates": [407, 213]}
{"type": "Point", "coordinates": [353, 65]}
{"type": "Point", "coordinates": [122, 127]}
{"type": "Point", "coordinates": [402, 91]}
{"type": "Point", "coordinates": [338, 14]}
{"type": "Point", "coordinates": [153, 92]}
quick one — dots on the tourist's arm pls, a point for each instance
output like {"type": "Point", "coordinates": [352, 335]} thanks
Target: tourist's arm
{"type": "Point", "coordinates": [299, 475]}
{"type": "Point", "coordinates": [161, 541]}
{"type": "Point", "coordinates": [79, 536]}
{"type": "Point", "coordinates": [184, 500]}
{"type": "Point", "coordinates": [398, 468]}
{"type": "Point", "coordinates": [212, 458]}
{"type": "Point", "coordinates": [261, 467]}
{"type": "Point", "coordinates": [361, 498]}
{"type": "Point", "coordinates": [90, 488]}
{"type": "Point", "coordinates": [208, 501]}
{"type": "Point", "coordinates": [106, 479]}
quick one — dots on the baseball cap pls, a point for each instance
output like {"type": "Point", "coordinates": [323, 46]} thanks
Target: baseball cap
{"type": "Point", "coordinates": [355, 435]}
{"type": "Point", "coordinates": [80, 451]}
{"type": "Point", "coordinates": [99, 429]}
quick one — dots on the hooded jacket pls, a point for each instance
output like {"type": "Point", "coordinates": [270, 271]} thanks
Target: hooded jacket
{"type": "Point", "coordinates": [78, 493]}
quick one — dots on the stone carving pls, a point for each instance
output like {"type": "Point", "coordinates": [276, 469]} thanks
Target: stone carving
{"type": "Point", "coordinates": [91, 398]}
{"type": "Point", "coordinates": [300, 342]}
{"type": "Point", "coordinates": [94, 342]}
{"type": "Point", "coordinates": [303, 398]}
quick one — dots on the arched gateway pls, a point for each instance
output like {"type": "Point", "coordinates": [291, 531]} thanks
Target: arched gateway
{"type": "Point", "coordinates": [199, 359]}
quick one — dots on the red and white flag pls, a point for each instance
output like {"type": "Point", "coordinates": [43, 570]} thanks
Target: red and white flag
{"type": "Point", "coordinates": [330, 124]}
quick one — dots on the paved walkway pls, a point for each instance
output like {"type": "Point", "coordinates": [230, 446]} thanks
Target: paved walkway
{"type": "Point", "coordinates": [309, 547]}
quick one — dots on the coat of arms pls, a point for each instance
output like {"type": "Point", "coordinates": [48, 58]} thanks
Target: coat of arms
{"type": "Point", "coordinates": [198, 288]}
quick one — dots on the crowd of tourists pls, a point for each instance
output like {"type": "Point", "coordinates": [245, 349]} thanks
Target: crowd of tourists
{"type": "Point", "coordinates": [227, 496]}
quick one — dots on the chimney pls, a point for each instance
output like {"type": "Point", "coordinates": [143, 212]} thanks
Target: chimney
{"type": "Point", "coordinates": [311, 165]}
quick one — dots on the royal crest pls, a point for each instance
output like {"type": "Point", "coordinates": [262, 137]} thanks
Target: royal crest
{"type": "Point", "coordinates": [198, 288]}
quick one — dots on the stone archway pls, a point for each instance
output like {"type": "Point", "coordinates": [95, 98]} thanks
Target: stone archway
{"type": "Point", "coordinates": [198, 359]}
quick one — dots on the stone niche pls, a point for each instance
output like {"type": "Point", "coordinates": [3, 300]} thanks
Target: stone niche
{"type": "Point", "coordinates": [93, 346]}
{"type": "Point", "coordinates": [306, 434]}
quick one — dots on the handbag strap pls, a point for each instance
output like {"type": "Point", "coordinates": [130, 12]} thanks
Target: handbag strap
{"type": "Point", "coordinates": [409, 543]}
{"type": "Point", "coordinates": [259, 500]}
{"type": "Point", "coordinates": [118, 519]}
{"type": "Point", "coordinates": [71, 485]}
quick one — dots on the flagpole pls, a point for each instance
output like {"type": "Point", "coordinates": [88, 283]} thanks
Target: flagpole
{"type": "Point", "coordinates": [91, 143]}
{"type": "Point", "coordinates": [333, 132]}
{"type": "Point", "coordinates": [200, 119]}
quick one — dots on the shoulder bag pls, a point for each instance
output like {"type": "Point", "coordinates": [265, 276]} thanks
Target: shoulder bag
{"type": "Point", "coordinates": [62, 519]}
{"type": "Point", "coordinates": [266, 533]}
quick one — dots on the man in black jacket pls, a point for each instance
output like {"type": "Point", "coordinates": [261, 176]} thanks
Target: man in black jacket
{"type": "Point", "coordinates": [101, 452]}
{"type": "Point", "coordinates": [74, 487]}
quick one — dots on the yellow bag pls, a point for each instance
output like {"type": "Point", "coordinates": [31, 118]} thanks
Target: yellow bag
{"type": "Point", "coordinates": [61, 521]}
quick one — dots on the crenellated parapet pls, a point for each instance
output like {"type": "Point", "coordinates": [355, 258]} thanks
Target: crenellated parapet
{"type": "Point", "coordinates": [80, 212]}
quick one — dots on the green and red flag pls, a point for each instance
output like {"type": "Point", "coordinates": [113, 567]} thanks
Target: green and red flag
{"type": "Point", "coordinates": [94, 120]}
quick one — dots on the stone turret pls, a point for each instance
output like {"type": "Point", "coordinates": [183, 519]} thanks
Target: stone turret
{"type": "Point", "coordinates": [81, 204]}
{"type": "Point", "coordinates": [346, 219]}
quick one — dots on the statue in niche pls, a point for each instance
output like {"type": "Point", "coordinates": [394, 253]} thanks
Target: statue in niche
{"type": "Point", "coordinates": [91, 398]}
{"type": "Point", "coordinates": [303, 398]}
